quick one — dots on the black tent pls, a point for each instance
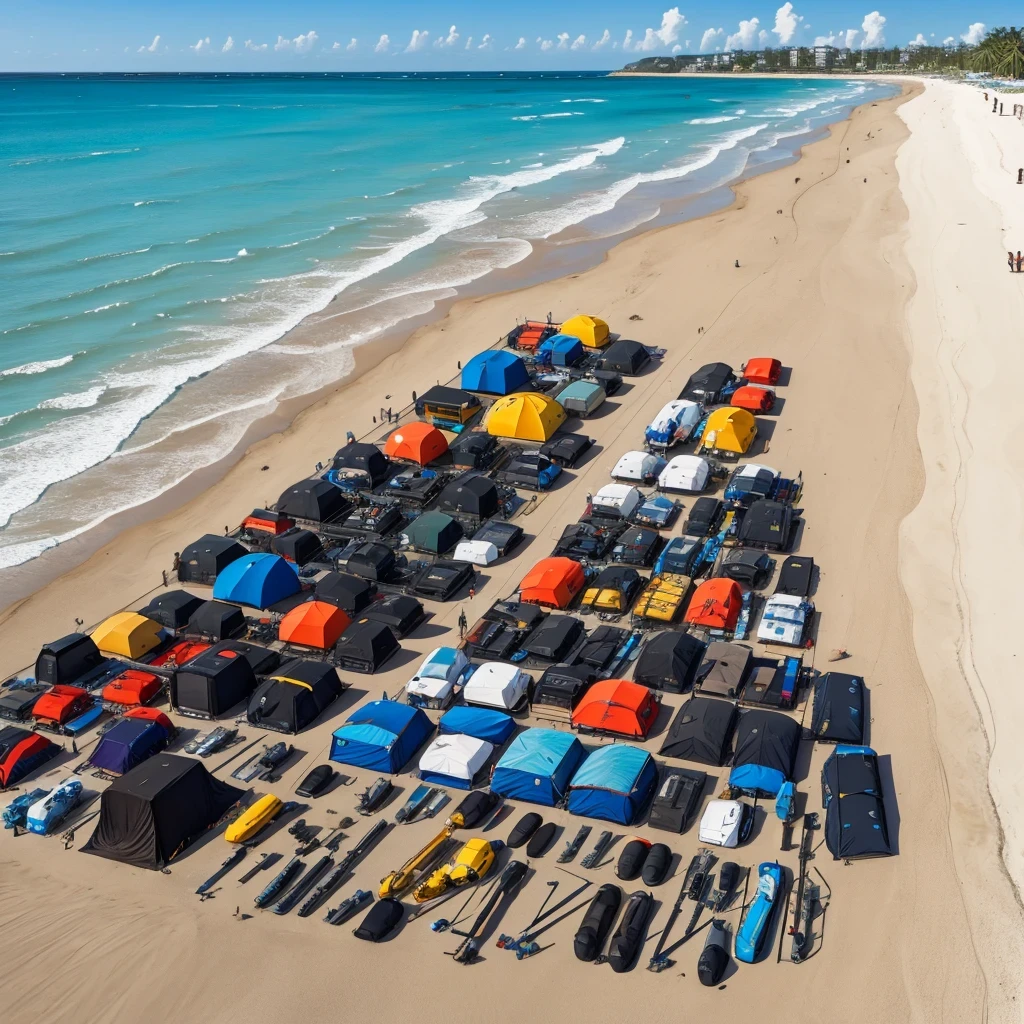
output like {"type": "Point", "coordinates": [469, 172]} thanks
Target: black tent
{"type": "Point", "coordinates": [567, 449]}
{"type": "Point", "coordinates": [471, 495]}
{"type": "Point", "coordinates": [295, 696]}
{"type": "Point", "coordinates": [562, 686]}
{"type": "Point", "coordinates": [668, 662]}
{"type": "Point", "coordinates": [433, 532]}
{"type": "Point", "coordinates": [677, 798]}
{"type": "Point", "coordinates": [203, 559]}
{"type": "Point", "coordinates": [365, 646]}
{"type": "Point", "coordinates": [371, 562]}
{"type": "Point", "coordinates": [474, 449]}
{"type": "Point", "coordinates": [796, 576]}
{"type": "Point", "coordinates": [152, 813]}
{"type": "Point", "coordinates": [555, 637]}
{"type": "Point", "coordinates": [838, 715]}
{"type": "Point", "coordinates": [313, 499]}
{"type": "Point", "coordinates": [766, 747]}
{"type": "Point", "coordinates": [216, 620]}
{"type": "Point", "coordinates": [172, 609]}
{"type": "Point", "coordinates": [399, 612]}
{"type": "Point", "coordinates": [851, 790]}
{"type": "Point", "coordinates": [443, 580]}
{"type": "Point", "coordinates": [350, 593]}
{"type": "Point", "coordinates": [67, 659]}
{"type": "Point", "coordinates": [442, 405]}
{"type": "Point", "coordinates": [601, 645]}
{"type": "Point", "coordinates": [767, 524]}
{"type": "Point", "coordinates": [216, 680]}
{"type": "Point", "coordinates": [357, 458]}
{"type": "Point", "coordinates": [707, 383]}
{"type": "Point", "coordinates": [748, 567]}
{"type": "Point", "coordinates": [628, 357]}
{"type": "Point", "coordinates": [297, 545]}
{"type": "Point", "coordinates": [530, 469]}
{"type": "Point", "coordinates": [504, 536]}
{"type": "Point", "coordinates": [700, 731]}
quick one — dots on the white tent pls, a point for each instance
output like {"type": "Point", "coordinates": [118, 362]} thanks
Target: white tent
{"type": "Point", "coordinates": [618, 500]}
{"type": "Point", "coordinates": [685, 473]}
{"type": "Point", "coordinates": [455, 756]}
{"type": "Point", "coordinates": [640, 466]}
{"type": "Point", "coordinates": [784, 620]}
{"type": "Point", "coordinates": [676, 422]}
{"type": "Point", "coordinates": [478, 552]}
{"type": "Point", "coordinates": [720, 823]}
{"type": "Point", "coordinates": [496, 685]}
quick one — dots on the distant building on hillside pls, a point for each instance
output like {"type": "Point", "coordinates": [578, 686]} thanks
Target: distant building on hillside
{"type": "Point", "coordinates": [824, 56]}
{"type": "Point", "coordinates": [794, 57]}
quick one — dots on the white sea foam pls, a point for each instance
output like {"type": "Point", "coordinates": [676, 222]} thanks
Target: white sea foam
{"type": "Point", "coordinates": [76, 400]}
{"type": "Point", "coordinates": [713, 120]}
{"type": "Point", "coordinates": [40, 367]}
{"type": "Point", "coordinates": [526, 117]}
{"type": "Point", "coordinates": [113, 255]}
{"type": "Point", "coordinates": [586, 99]}
{"type": "Point", "coordinates": [243, 252]}
{"type": "Point", "coordinates": [566, 113]}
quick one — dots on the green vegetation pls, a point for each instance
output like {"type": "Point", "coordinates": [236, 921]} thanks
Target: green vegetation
{"type": "Point", "coordinates": [1001, 52]}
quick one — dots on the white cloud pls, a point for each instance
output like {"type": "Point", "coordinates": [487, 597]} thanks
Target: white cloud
{"type": "Point", "coordinates": [745, 38]}
{"type": "Point", "coordinates": [521, 45]}
{"type": "Point", "coordinates": [382, 44]}
{"type": "Point", "coordinates": [677, 48]}
{"type": "Point", "coordinates": [203, 44]}
{"type": "Point", "coordinates": [418, 41]}
{"type": "Point", "coordinates": [449, 40]}
{"type": "Point", "coordinates": [787, 21]}
{"type": "Point", "coordinates": [352, 44]}
{"type": "Point", "coordinates": [712, 39]}
{"type": "Point", "coordinates": [563, 40]}
{"type": "Point", "coordinates": [300, 44]}
{"type": "Point", "coordinates": [949, 41]}
{"type": "Point", "coordinates": [545, 44]}
{"type": "Point", "coordinates": [229, 45]}
{"type": "Point", "coordinates": [487, 43]}
{"type": "Point", "coordinates": [469, 43]}
{"type": "Point", "coordinates": [152, 46]}
{"type": "Point", "coordinates": [829, 40]}
{"type": "Point", "coordinates": [851, 38]}
{"type": "Point", "coordinates": [628, 41]}
{"type": "Point", "coordinates": [873, 27]}
{"type": "Point", "coordinates": [763, 37]}
{"type": "Point", "coordinates": [256, 47]}
{"type": "Point", "coordinates": [672, 23]}
{"type": "Point", "coordinates": [336, 46]}
{"type": "Point", "coordinates": [579, 42]}
{"type": "Point", "coordinates": [974, 34]}
{"type": "Point", "coordinates": [603, 41]}
{"type": "Point", "coordinates": [918, 40]}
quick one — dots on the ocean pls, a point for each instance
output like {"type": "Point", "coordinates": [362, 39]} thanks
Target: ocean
{"type": "Point", "coordinates": [160, 235]}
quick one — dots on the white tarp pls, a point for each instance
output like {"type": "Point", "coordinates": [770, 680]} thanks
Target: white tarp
{"type": "Point", "coordinates": [642, 466]}
{"type": "Point", "coordinates": [685, 473]}
{"type": "Point", "coordinates": [720, 823]}
{"type": "Point", "coordinates": [477, 552]}
{"type": "Point", "coordinates": [456, 755]}
{"type": "Point", "coordinates": [496, 685]}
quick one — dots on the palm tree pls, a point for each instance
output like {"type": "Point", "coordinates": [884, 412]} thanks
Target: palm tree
{"type": "Point", "coordinates": [1001, 53]}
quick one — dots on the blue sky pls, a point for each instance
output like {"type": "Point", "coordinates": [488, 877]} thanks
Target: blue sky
{"type": "Point", "coordinates": [400, 35]}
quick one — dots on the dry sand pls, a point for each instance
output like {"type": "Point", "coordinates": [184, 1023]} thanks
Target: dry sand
{"type": "Point", "coordinates": [932, 934]}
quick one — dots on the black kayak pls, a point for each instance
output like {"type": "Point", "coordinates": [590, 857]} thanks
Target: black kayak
{"type": "Point", "coordinates": [632, 859]}
{"type": "Point", "coordinates": [597, 922]}
{"type": "Point", "coordinates": [524, 830]}
{"type": "Point", "coordinates": [541, 841]}
{"type": "Point", "coordinates": [629, 936]}
{"type": "Point", "coordinates": [657, 865]}
{"type": "Point", "coordinates": [316, 781]}
{"type": "Point", "coordinates": [714, 957]}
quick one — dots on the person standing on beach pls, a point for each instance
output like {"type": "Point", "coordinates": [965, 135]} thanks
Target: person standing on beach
{"type": "Point", "coordinates": [1020, 260]}
{"type": "Point", "coordinates": [463, 624]}
{"type": "Point", "coordinates": [1009, 259]}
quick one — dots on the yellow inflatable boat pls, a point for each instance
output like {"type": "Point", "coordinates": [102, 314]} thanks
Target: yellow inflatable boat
{"type": "Point", "coordinates": [254, 818]}
{"type": "Point", "coordinates": [471, 863]}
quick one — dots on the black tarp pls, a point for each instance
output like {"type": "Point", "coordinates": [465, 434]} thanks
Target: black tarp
{"type": "Point", "coordinates": [677, 798]}
{"type": "Point", "coordinates": [751, 568]}
{"type": "Point", "coordinates": [67, 659]}
{"type": "Point", "coordinates": [767, 739]}
{"type": "Point", "coordinates": [562, 686]}
{"type": "Point", "coordinates": [172, 609]}
{"type": "Point", "coordinates": [219, 678]}
{"type": "Point", "coordinates": [216, 620]}
{"type": "Point", "coordinates": [152, 813]}
{"type": "Point", "coordinates": [628, 357]}
{"type": "Point", "coordinates": [724, 669]}
{"type": "Point", "coordinates": [349, 593]}
{"type": "Point", "coordinates": [297, 545]}
{"type": "Point", "coordinates": [767, 524]}
{"type": "Point", "coordinates": [795, 576]}
{"type": "Point", "coordinates": [700, 731]}
{"type": "Point", "coordinates": [365, 646]}
{"type": "Point", "coordinates": [705, 384]}
{"type": "Point", "coordinates": [474, 449]}
{"type": "Point", "coordinates": [601, 645]}
{"type": "Point", "coordinates": [838, 715]}
{"type": "Point", "coordinates": [851, 790]}
{"type": "Point", "coordinates": [504, 536]}
{"type": "Point", "coordinates": [371, 562]}
{"type": "Point", "coordinates": [525, 470]}
{"type": "Point", "coordinates": [313, 499]}
{"type": "Point", "coordinates": [294, 696]}
{"type": "Point", "coordinates": [362, 458]}
{"type": "Point", "coordinates": [203, 559]}
{"type": "Point", "coordinates": [555, 637]}
{"type": "Point", "coordinates": [399, 612]}
{"type": "Point", "coordinates": [470, 495]}
{"type": "Point", "coordinates": [567, 449]}
{"type": "Point", "coordinates": [704, 517]}
{"type": "Point", "coordinates": [668, 662]}
{"type": "Point", "coordinates": [443, 580]}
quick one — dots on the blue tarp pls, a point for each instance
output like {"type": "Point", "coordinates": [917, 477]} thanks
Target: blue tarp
{"type": "Point", "coordinates": [258, 580]}
{"type": "Point", "coordinates": [480, 723]}
{"type": "Point", "coordinates": [381, 736]}
{"type": "Point", "coordinates": [538, 766]}
{"type": "Point", "coordinates": [494, 372]}
{"type": "Point", "coordinates": [561, 350]}
{"type": "Point", "coordinates": [127, 744]}
{"type": "Point", "coordinates": [614, 783]}
{"type": "Point", "coordinates": [757, 779]}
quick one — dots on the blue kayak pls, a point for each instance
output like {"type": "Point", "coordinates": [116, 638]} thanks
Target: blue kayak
{"type": "Point", "coordinates": [757, 924]}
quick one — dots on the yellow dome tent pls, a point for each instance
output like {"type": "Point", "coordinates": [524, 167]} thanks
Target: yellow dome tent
{"type": "Point", "coordinates": [127, 634]}
{"type": "Point", "coordinates": [526, 416]}
{"type": "Point", "coordinates": [729, 430]}
{"type": "Point", "coordinates": [591, 330]}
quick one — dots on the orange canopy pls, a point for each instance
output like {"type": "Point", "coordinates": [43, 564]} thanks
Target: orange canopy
{"type": "Point", "coordinates": [152, 715]}
{"type": "Point", "coordinates": [715, 604]}
{"type": "Point", "coordinates": [753, 399]}
{"type": "Point", "coordinates": [180, 652]}
{"type": "Point", "coordinates": [553, 582]}
{"type": "Point", "coordinates": [132, 687]}
{"type": "Point", "coordinates": [616, 706]}
{"type": "Point", "coordinates": [417, 442]}
{"type": "Point", "coordinates": [762, 370]}
{"type": "Point", "coordinates": [313, 624]}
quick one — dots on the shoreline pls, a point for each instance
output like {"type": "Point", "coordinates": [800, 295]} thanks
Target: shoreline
{"type": "Point", "coordinates": [546, 265]}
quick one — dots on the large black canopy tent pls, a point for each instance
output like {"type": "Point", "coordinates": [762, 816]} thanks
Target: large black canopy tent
{"type": "Point", "coordinates": [668, 662]}
{"type": "Point", "coordinates": [152, 813]}
{"type": "Point", "coordinates": [313, 499]}
{"type": "Point", "coordinates": [216, 620]}
{"type": "Point", "coordinates": [433, 532]}
{"type": "Point", "coordinates": [294, 696]}
{"type": "Point", "coordinates": [67, 659]}
{"type": "Point", "coordinates": [851, 790]}
{"type": "Point", "coordinates": [767, 524]}
{"type": "Point", "coordinates": [838, 715]}
{"type": "Point", "coordinates": [474, 449]}
{"type": "Point", "coordinates": [297, 545]}
{"type": "Point", "coordinates": [700, 731]}
{"type": "Point", "coordinates": [371, 561]}
{"type": "Point", "coordinates": [399, 612]}
{"type": "Point", "coordinates": [350, 593]}
{"type": "Point", "coordinates": [172, 609]}
{"type": "Point", "coordinates": [628, 357]}
{"type": "Point", "coordinates": [471, 495]}
{"type": "Point", "coordinates": [766, 746]}
{"type": "Point", "coordinates": [554, 638]}
{"type": "Point", "coordinates": [442, 405]}
{"type": "Point", "coordinates": [365, 646]}
{"type": "Point", "coordinates": [216, 680]}
{"type": "Point", "coordinates": [706, 384]}
{"type": "Point", "coordinates": [356, 458]}
{"type": "Point", "coordinates": [203, 559]}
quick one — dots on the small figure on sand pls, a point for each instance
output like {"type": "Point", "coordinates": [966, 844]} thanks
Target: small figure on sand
{"type": "Point", "coordinates": [463, 624]}
{"type": "Point", "coordinates": [1020, 260]}
{"type": "Point", "coordinates": [1009, 260]}
{"type": "Point", "coordinates": [1020, 175]}
{"type": "Point", "coordinates": [737, 263]}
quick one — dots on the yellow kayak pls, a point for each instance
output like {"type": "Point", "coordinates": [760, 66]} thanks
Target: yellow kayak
{"type": "Point", "coordinates": [258, 816]}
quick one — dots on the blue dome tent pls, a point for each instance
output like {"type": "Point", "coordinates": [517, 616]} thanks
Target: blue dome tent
{"type": "Point", "coordinates": [381, 736]}
{"type": "Point", "coordinates": [258, 580]}
{"type": "Point", "coordinates": [538, 766]}
{"type": "Point", "coordinates": [614, 783]}
{"type": "Point", "coordinates": [561, 350]}
{"type": "Point", "coordinates": [495, 373]}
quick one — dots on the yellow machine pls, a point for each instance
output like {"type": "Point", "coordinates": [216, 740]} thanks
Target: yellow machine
{"type": "Point", "coordinates": [397, 881]}
{"type": "Point", "coordinates": [473, 861]}
{"type": "Point", "coordinates": [254, 818]}
{"type": "Point", "coordinates": [663, 597]}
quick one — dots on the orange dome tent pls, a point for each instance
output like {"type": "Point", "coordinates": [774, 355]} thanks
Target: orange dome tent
{"type": "Point", "coordinates": [552, 582]}
{"type": "Point", "coordinates": [715, 604]}
{"type": "Point", "coordinates": [616, 706]}
{"type": "Point", "coordinates": [762, 370]}
{"type": "Point", "coordinates": [753, 399]}
{"type": "Point", "coordinates": [417, 442]}
{"type": "Point", "coordinates": [313, 624]}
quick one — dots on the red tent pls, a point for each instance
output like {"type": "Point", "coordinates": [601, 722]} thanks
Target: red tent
{"type": "Point", "coordinates": [552, 582]}
{"type": "Point", "coordinates": [762, 370]}
{"type": "Point", "coordinates": [132, 687]}
{"type": "Point", "coordinates": [618, 707]}
{"type": "Point", "coordinates": [416, 442]}
{"type": "Point", "coordinates": [152, 715]}
{"type": "Point", "coordinates": [753, 399]}
{"type": "Point", "coordinates": [314, 624]}
{"type": "Point", "coordinates": [60, 704]}
{"type": "Point", "coordinates": [715, 604]}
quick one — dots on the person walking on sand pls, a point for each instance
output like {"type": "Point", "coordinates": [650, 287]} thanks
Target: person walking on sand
{"type": "Point", "coordinates": [463, 624]}
{"type": "Point", "coordinates": [1009, 259]}
{"type": "Point", "coordinates": [1020, 260]}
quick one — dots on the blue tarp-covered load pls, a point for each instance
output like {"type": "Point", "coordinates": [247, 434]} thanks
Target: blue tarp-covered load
{"type": "Point", "coordinates": [561, 350]}
{"type": "Point", "coordinates": [766, 748]}
{"type": "Point", "coordinates": [258, 580]}
{"type": "Point", "coordinates": [614, 783]}
{"type": "Point", "coordinates": [480, 723]}
{"type": "Point", "coordinates": [381, 736]}
{"type": "Point", "coordinates": [127, 744]}
{"type": "Point", "coordinates": [495, 373]}
{"type": "Point", "coordinates": [851, 790]}
{"type": "Point", "coordinates": [538, 766]}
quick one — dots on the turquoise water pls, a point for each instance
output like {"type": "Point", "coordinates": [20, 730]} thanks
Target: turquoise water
{"type": "Point", "coordinates": [154, 230]}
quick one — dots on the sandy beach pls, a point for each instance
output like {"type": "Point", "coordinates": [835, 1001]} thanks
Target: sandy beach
{"type": "Point", "coordinates": [872, 269]}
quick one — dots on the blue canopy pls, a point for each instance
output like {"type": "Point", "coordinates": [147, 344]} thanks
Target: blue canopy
{"type": "Point", "coordinates": [381, 736]}
{"type": "Point", "coordinates": [495, 372]}
{"type": "Point", "coordinates": [258, 580]}
{"type": "Point", "coordinates": [538, 766]}
{"type": "Point", "coordinates": [561, 350]}
{"type": "Point", "coordinates": [127, 744]}
{"type": "Point", "coordinates": [480, 723]}
{"type": "Point", "coordinates": [614, 783]}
